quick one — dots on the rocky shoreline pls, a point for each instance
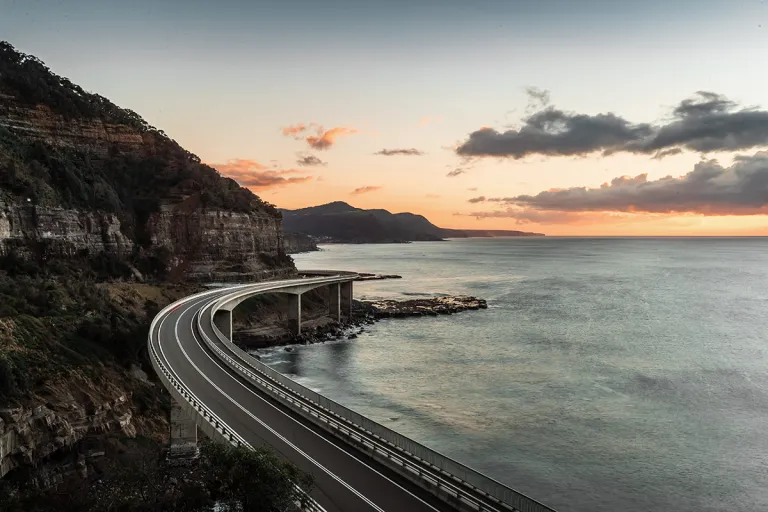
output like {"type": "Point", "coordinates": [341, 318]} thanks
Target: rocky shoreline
{"type": "Point", "coordinates": [366, 313]}
{"type": "Point", "coordinates": [363, 276]}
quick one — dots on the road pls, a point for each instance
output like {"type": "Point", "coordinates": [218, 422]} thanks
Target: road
{"type": "Point", "coordinates": [346, 480]}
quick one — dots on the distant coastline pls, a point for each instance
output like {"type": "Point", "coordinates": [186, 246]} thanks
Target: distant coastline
{"type": "Point", "coordinates": [341, 223]}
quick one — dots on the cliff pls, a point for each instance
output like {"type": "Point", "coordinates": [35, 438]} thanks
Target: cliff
{"type": "Point", "coordinates": [80, 176]}
{"type": "Point", "coordinates": [338, 222]}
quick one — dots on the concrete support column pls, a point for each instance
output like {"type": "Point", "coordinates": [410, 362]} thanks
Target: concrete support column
{"type": "Point", "coordinates": [183, 433]}
{"type": "Point", "coordinates": [334, 301]}
{"type": "Point", "coordinates": [223, 320]}
{"type": "Point", "coordinates": [346, 298]}
{"type": "Point", "coordinates": [294, 313]}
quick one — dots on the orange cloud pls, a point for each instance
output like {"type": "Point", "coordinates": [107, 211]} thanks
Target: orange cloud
{"type": "Point", "coordinates": [326, 139]}
{"type": "Point", "coordinates": [294, 129]}
{"type": "Point", "coordinates": [364, 190]}
{"type": "Point", "coordinates": [256, 176]}
{"type": "Point", "coordinates": [323, 139]}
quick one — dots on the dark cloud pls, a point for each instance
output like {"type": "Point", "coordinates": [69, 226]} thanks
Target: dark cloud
{"type": "Point", "coordinates": [478, 199]}
{"type": "Point", "coordinates": [553, 132]}
{"type": "Point", "coordinates": [401, 151]}
{"type": "Point", "coordinates": [707, 122]}
{"type": "Point", "coordinates": [365, 190]}
{"type": "Point", "coordinates": [710, 189]}
{"type": "Point", "coordinates": [310, 160]}
{"type": "Point", "coordinates": [704, 103]}
{"type": "Point", "coordinates": [456, 172]}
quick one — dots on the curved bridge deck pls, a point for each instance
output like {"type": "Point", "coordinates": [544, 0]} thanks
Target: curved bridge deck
{"type": "Point", "coordinates": [357, 464]}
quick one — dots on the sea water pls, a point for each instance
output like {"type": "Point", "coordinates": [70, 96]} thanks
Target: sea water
{"type": "Point", "coordinates": [607, 374]}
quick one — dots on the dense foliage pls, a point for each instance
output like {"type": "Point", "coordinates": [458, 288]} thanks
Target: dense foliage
{"type": "Point", "coordinates": [57, 320]}
{"type": "Point", "coordinates": [123, 182]}
{"type": "Point", "coordinates": [225, 479]}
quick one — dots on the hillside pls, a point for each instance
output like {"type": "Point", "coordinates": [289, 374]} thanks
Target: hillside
{"type": "Point", "coordinates": [103, 221]}
{"type": "Point", "coordinates": [338, 222]}
{"type": "Point", "coordinates": [82, 177]}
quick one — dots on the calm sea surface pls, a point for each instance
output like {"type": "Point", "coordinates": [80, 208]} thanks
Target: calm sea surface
{"type": "Point", "coordinates": [607, 374]}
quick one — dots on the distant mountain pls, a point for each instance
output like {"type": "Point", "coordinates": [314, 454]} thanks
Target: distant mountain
{"type": "Point", "coordinates": [339, 222]}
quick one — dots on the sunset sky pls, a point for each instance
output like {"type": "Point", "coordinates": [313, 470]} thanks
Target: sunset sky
{"type": "Point", "coordinates": [588, 117]}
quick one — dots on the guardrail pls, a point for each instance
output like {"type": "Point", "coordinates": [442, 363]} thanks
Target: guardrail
{"type": "Point", "coordinates": [216, 426]}
{"type": "Point", "coordinates": [438, 470]}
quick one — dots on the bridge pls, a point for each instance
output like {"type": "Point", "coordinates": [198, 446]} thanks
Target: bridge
{"type": "Point", "coordinates": [358, 465]}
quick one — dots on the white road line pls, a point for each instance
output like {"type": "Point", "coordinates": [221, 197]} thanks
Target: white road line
{"type": "Point", "coordinates": [246, 411]}
{"type": "Point", "coordinates": [299, 423]}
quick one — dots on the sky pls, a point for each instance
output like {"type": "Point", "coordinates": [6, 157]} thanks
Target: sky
{"type": "Point", "coordinates": [589, 117]}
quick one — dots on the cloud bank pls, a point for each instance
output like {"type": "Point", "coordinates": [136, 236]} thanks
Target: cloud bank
{"type": "Point", "coordinates": [704, 123]}
{"type": "Point", "coordinates": [709, 189]}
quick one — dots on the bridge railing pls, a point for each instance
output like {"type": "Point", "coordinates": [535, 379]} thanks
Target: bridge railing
{"type": "Point", "coordinates": [215, 426]}
{"type": "Point", "coordinates": [428, 457]}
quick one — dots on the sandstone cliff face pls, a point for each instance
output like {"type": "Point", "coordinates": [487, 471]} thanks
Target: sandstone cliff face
{"type": "Point", "coordinates": [62, 232]}
{"type": "Point", "coordinates": [220, 245]}
{"type": "Point", "coordinates": [203, 244]}
{"type": "Point", "coordinates": [197, 243]}
{"type": "Point", "coordinates": [94, 135]}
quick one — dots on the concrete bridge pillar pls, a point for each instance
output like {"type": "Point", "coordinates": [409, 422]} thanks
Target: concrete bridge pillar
{"type": "Point", "coordinates": [346, 298]}
{"type": "Point", "coordinates": [294, 313]}
{"type": "Point", "coordinates": [223, 320]}
{"type": "Point", "coordinates": [183, 434]}
{"type": "Point", "coordinates": [334, 301]}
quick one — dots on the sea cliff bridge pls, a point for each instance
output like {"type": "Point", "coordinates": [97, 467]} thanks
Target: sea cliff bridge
{"type": "Point", "coordinates": [358, 465]}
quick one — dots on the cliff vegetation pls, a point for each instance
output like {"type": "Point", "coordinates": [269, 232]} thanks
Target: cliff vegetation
{"type": "Point", "coordinates": [81, 177]}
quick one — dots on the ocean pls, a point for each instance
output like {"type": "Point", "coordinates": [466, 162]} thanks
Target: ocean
{"type": "Point", "coordinates": [607, 374]}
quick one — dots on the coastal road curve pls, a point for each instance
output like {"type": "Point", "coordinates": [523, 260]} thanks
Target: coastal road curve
{"type": "Point", "coordinates": [346, 480]}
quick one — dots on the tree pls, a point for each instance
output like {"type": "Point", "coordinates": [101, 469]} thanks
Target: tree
{"type": "Point", "coordinates": [225, 479]}
{"type": "Point", "coordinates": [253, 481]}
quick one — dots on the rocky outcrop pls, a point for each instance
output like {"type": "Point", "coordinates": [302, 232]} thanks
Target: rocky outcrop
{"type": "Point", "coordinates": [29, 436]}
{"type": "Point", "coordinates": [365, 276]}
{"type": "Point", "coordinates": [422, 307]}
